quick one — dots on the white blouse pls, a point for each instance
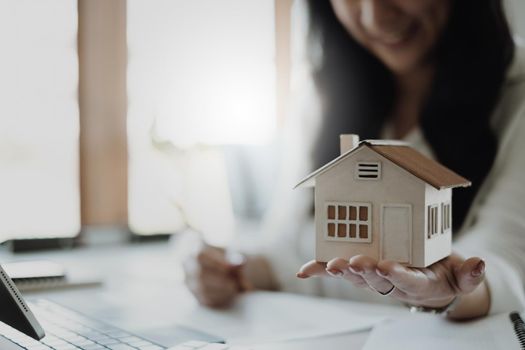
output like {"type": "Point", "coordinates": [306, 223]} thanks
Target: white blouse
{"type": "Point", "coordinates": [493, 230]}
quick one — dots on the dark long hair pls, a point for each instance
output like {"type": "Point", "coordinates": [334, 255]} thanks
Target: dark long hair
{"type": "Point", "coordinates": [357, 91]}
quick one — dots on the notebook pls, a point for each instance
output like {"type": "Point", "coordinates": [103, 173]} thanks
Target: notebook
{"type": "Point", "coordinates": [432, 332]}
{"type": "Point", "coordinates": [39, 275]}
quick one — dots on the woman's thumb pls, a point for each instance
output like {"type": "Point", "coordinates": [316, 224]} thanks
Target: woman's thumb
{"type": "Point", "coordinates": [470, 274]}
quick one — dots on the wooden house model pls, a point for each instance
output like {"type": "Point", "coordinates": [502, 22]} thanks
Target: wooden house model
{"type": "Point", "coordinates": [383, 199]}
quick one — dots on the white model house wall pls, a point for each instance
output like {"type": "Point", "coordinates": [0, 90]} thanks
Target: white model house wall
{"type": "Point", "coordinates": [396, 186]}
{"type": "Point", "coordinates": [439, 244]}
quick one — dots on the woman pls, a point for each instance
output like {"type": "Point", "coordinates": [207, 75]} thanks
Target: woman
{"type": "Point", "coordinates": [442, 74]}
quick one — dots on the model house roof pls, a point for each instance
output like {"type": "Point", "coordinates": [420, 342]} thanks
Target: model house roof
{"type": "Point", "coordinates": [401, 154]}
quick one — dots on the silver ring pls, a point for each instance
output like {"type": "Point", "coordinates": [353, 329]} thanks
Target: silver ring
{"type": "Point", "coordinates": [388, 292]}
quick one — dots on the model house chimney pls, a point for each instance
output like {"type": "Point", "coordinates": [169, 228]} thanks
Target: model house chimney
{"type": "Point", "coordinates": [348, 142]}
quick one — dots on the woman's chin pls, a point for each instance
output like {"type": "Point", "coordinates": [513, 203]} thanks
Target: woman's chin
{"type": "Point", "coordinates": [401, 65]}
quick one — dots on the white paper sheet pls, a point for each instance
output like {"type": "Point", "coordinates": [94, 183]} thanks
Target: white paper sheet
{"type": "Point", "coordinates": [262, 317]}
{"type": "Point", "coordinates": [434, 332]}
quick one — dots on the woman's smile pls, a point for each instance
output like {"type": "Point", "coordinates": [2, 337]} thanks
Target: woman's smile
{"type": "Point", "coordinates": [400, 33]}
{"type": "Point", "coordinates": [395, 39]}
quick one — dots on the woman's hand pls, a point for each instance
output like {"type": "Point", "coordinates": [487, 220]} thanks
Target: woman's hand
{"type": "Point", "coordinates": [214, 277]}
{"type": "Point", "coordinates": [435, 286]}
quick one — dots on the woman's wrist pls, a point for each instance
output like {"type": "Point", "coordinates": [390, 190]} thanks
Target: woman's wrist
{"type": "Point", "coordinates": [472, 305]}
{"type": "Point", "coordinates": [437, 307]}
{"type": "Point", "coordinates": [461, 306]}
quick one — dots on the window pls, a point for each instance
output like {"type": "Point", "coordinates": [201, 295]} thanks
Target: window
{"type": "Point", "coordinates": [368, 170]}
{"type": "Point", "coordinates": [446, 219]}
{"type": "Point", "coordinates": [349, 222]}
{"type": "Point", "coordinates": [39, 125]}
{"type": "Point", "coordinates": [196, 70]}
{"type": "Point", "coordinates": [432, 220]}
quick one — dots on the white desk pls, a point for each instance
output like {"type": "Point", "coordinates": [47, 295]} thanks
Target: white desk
{"type": "Point", "coordinates": [144, 292]}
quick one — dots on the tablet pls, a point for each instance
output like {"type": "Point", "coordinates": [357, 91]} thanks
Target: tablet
{"type": "Point", "coordinates": [15, 311]}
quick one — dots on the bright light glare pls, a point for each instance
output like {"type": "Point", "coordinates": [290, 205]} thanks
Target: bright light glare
{"type": "Point", "coordinates": [206, 69]}
{"type": "Point", "coordinates": [223, 108]}
{"type": "Point", "coordinates": [199, 72]}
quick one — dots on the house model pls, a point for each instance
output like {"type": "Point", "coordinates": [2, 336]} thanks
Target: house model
{"type": "Point", "coordinates": [383, 199]}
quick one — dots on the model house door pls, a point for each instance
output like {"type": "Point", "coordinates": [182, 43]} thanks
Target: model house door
{"type": "Point", "coordinates": [396, 232]}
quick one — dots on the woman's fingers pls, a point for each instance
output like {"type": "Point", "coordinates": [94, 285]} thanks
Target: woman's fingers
{"type": "Point", "coordinates": [432, 286]}
{"type": "Point", "coordinates": [410, 281]}
{"type": "Point", "coordinates": [470, 274]}
{"type": "Point", "coordinates": [312, 268]}
{"type": "Point", "coordinates": [212, 278]}
{"type": "Point", "coordinates": [340, 268]}
{"type": "Point", "coordinates": [360, 270]}
{"type": "Point", "coordinates": [213, 259]}
{"type": "Point", "coordinates": [218, 285]}
{"type": "Point", "coordinates": [366, 267]}
{"type": "Point", "coordinates": [213, 288]}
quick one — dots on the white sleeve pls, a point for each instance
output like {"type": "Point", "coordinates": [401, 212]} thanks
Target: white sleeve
{"type": "Point", "coordinates": [497, 223]}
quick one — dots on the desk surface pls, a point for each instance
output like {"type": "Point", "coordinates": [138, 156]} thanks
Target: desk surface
{"type": "Point", "coordinates": [143, 291]}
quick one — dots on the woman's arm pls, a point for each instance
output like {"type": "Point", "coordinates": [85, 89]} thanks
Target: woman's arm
{"type": "Point", "coordinates": [475, 304]}
{"type": "Point", "coordinates": [496, 224]}
{"type": "Point", "coordinates": [495, 231]}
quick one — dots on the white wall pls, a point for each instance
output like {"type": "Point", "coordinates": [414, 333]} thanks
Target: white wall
{"type": "Point", "coordinates": [516, 14]}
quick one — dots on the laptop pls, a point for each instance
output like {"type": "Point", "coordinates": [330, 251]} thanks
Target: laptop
{"type": "Point", "coordinates": [44, 325]}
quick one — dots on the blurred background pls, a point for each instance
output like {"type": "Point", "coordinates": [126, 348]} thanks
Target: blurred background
{"type": "Point", "coordinates": [144, 118]}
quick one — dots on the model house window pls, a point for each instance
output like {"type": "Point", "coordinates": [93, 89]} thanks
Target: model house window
{"type": "Point", "coordinates": [446, 219]}
{"type": "Point", "coordinates": [368, 170]}
{"type": "Point", "coordinates": [432, 220]}
{"type": "Point", "coordinates": [349, 222]}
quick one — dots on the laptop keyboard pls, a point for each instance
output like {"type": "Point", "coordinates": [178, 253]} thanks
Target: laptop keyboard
{"type": "Point", "coordinates": [69, 330]}
{"type": "Point", "coordinates": [199, 345]}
